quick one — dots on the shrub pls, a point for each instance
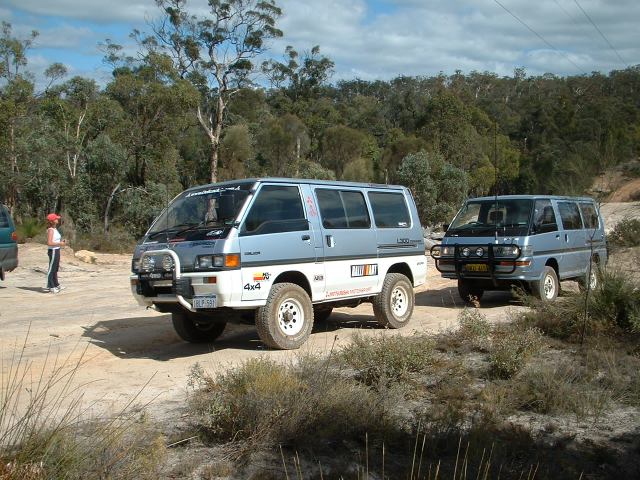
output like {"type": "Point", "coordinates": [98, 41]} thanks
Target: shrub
{"type": "Point", "coordinates": [29, 228]}
{"type": "Point", "coordinates": [626, 233]}
{"type": "Point", "coordinates": [267, 403]}
{"type": "Point", "coordinates": [116, 240]}
{"type": "Point", "coordinates": [511, 349]}
{"type": "Point", "coordinates": [387, 358]}
{"type": "Point", "coordinates": [616, 302]}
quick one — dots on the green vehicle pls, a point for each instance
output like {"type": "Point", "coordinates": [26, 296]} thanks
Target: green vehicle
{"type": "Point", "coordinates": [8, 243]}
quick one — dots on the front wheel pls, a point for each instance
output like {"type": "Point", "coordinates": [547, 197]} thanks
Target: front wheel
{"type": "Point", "coordinates": [548, 287]}
{"type": "Point", "coordinates": [191, 330]}
{"type": "Point", "coordinates": [393, 306]}
{"type": "Point", "coordinates": [286, 319]}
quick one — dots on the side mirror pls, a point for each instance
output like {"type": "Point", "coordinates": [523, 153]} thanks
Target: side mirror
{"type": "Point", "coordinates": [445, 226]}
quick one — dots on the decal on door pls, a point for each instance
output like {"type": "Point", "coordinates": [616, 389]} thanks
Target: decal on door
{"type": "Point", "coordinates": [261, 276]}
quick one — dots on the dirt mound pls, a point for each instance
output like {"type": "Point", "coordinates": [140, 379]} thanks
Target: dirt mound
{"type": "Point", "coordinates": [627, 192]}
{"type": "Point", "coordinates": [614, 212]}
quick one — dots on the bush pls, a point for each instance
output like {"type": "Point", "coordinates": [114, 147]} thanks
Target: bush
{"type": "Point", "coordinates": [387, 358]}
{"type": "Point", "coordinates": [512, 349]}
{"type": "Point", "coordinates": [626, 233]}
{"type": "Point", "coordinates": [116, 240]}
{"type": "Point", "coordinates": [616, 302]}
{"type": "Point", "coordinates": [267, 403]}
{"type": "Point", "coordinates": [29, 228]}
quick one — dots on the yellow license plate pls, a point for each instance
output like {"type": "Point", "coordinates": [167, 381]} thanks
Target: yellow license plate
{"type": "Point", "coordinates": [476, 267]}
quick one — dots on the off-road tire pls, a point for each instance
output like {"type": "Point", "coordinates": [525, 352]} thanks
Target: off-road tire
{"type": "Point", "coordinates": [469, 293]}
{"type": "Point", "coordinates": [190, 330]}
{"type": "Point", "coordinates": [548, 288]}
{"type": "Point", "coordinates": [393, 306]}
{"type": "Point", "coordinates": [1, 274]}
{"type": "Point", "coordinates": [321, 314]}
{"type": "Point", "coordinates": [286, 319]}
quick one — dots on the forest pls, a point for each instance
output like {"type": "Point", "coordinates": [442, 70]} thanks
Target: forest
{"type": "Point", "coordinates": [201, 102]}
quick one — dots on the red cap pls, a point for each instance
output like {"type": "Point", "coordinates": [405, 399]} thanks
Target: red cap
{"type": "Point", "coordinates": [52, 216]}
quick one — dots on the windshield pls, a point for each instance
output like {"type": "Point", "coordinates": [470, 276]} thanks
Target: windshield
{"type": "Point", "coordinates": [209, 207]}
{"type": "Point", "coordinates": [484, 218]}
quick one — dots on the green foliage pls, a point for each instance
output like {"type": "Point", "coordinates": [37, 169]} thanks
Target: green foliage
{"type": "Point", "coordinates": [437, 186]}
{"type": "Point", "coordinates": [626, 233]}
{"type": "Point", "coordinates": [512, 349]}
{"type": "Point", "coordinates": [29, 228]}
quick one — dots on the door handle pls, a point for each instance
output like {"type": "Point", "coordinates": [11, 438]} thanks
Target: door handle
{"type": "Point", "coordinates": [330, 241]}
{"type": "Point", "coordinates": [306, 237]}
{"type": "Point", "coordinates": [557, 235]}
{"type": "Point", "coordinates": [566, 237]}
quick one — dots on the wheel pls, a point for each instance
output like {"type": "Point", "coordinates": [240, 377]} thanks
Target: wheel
{"type": "Point", "coordinates": [590, 279]}
{"type": "Point", "coordinates": [548, 288]}
{"type": "Point", "coordinates": [321, 313]}
{"type": "Point", "coordinates": [286, 319]}
{"type": "Point", "coordinates": [469, 292]}
{"type": "Point", "coordinates": [189, 329]}
{"type": "Point", "coordinates": [393, 306]}
{"type": "Point", "coordinates": [1, 274]}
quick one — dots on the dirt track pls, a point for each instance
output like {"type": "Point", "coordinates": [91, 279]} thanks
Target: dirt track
{"type": "Point", "coordinates": [127, 346]}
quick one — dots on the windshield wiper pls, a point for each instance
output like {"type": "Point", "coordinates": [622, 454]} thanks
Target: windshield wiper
{"type": "Point", "coordinates": [167, 230]}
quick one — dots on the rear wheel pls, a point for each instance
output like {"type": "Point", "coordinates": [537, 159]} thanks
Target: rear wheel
{"type": "Point", "coordinates": [1, 274]}
{"type": "Point", "coordinates": [469, 292]}
{"type": "Point", "coordinates": [286, 319]}
{"type": "Point", "coordinates": [194, 328]}
{"type": "Point", "coordinates": [393, 306]}
{"type": "Point", "coordinates": [590, 279]}
{"type": "Point", "coordinates": [548, 287]}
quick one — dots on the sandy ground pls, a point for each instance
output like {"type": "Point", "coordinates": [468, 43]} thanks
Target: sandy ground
{"type": "Point", "coordinates": [129, 351]}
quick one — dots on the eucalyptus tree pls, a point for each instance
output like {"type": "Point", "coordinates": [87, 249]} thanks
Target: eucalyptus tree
{"type": "Point", "coordinates": [216, 53]}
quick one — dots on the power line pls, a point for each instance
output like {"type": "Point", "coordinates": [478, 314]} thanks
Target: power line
{"type": "Point", "coordinates": [601, 34]}
{"type": "Point", "coordinates": [540, 37]}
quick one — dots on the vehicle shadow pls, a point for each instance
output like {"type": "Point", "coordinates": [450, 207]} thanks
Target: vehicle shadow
{"type": "Point", "coordinates": [448, 298]}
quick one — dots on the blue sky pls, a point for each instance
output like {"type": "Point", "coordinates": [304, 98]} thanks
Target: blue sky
{"type": "Point", "coordinates": [369, 39]}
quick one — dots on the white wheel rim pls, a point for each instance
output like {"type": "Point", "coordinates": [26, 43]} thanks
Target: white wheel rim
{"type": "Point", "coordinates": [290, 317]}
{"type": "Point", "coordinates": [549, 286]}
{"type": "Point", "coordinates": [399, 301]}
{"type": "Point", "coordinates": [593, 281]}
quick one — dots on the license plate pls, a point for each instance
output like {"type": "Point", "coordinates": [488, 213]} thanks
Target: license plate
{"type": "Point", "coordinates": [476, 267]}
{"type": "Point", "coordinates": [209, 301]}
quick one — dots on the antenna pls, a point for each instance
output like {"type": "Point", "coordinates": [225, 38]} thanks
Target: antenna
{"type": "Point", "coordinates": [495, 173]}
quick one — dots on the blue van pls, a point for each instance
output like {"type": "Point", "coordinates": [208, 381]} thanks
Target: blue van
{"type": "Point", "coordinates": [531, 241]}
{"type": "Point", "coordinates": [283, 252]}
{"type": "Point", "coordinates": [8, 243]}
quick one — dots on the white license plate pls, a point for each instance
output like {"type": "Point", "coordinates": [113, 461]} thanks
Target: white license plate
{"type": "Point", "coordinates": [209, 301]}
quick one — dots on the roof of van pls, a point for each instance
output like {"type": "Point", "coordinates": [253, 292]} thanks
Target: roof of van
{"type": "Point", "coordinates": [531, 197]}
{"type": "Point", "coordinates": [297, 180]}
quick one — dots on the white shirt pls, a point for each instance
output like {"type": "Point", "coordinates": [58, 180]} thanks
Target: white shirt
{"type": "Point", "coordinates": [56, 238]}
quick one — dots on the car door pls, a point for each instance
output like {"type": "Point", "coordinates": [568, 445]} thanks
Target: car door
{"type": "Point", "coordinates": [274, 235]}
{"type": "Point", "coordinates": [349, 242]}
{"type": "Point", "coordinates": [594, 234]}
{"type": "Point", "coordinates": [573, 239]}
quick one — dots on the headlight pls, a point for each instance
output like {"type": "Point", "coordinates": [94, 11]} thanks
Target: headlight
{"type": "Point", "coordinates": [167, 263]}
{"type": "Point", "coordinates": [466, 251]}
{"type": "Point", "coordinates": [205, 261]}
{"type": "Point", "coordinates": [135, 265]}
{"type": "Point", "coordinates": [509, 251]}
{"type": "Point", "coordinates": [436, 251]}
{"type": "Point", "coordinates": [148, 264]}
{"type": "Point", "coordinates": [448, 250]}
{"type": "Point", "coordinates": [218, 261]}
{"type": "Point", "coordinates": [479, 251]}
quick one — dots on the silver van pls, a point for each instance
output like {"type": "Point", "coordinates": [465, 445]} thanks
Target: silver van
{"type": "Point", "coordinates": [8, 243]}
{"type": "Point", "coordinates": [282, 252]}
{"type": "Point", "coordinates": [532, 241]}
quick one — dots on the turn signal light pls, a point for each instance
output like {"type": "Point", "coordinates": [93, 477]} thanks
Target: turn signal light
{"type": "Point", "coordinates": [232, 260]}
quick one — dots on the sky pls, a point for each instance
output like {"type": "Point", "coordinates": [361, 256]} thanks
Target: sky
{"type": "Point", "coordinates": [368, 39]}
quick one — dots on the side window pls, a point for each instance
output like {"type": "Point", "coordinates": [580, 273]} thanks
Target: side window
{"type": "Point", "coordinates": [4, 219]}
{"type": "Point", "coordinates": [342, 209]}
{"type": "Point", "coordinates": [389, 210]}
{"type": "Point", "coordinates": [570, 216]}
{"type": "Point", "coordinates": [589, 215]}
{"type": "Point", "coordinates": [544, 218]}
{"type": "Point", "coordinates": [277, 209]}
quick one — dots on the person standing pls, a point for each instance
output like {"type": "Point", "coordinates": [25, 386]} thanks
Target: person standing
{"type": "Point", "coordinates": [54, 242]}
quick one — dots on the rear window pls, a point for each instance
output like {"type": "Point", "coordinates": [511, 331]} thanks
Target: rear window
{"type": "Point", "coordinates": [389, 210]}
{"type": "Point", "coordinates": [570, 216]}
{"type": "Point", "coordinates": [4, 218]}
{"type": "Point", "coordinates": [589, 215]}
{"type": "Point", "coordinates": [343, 209]}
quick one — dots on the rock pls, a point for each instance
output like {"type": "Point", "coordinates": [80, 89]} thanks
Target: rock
{"type": "Point", "coordinates": [86, 256]}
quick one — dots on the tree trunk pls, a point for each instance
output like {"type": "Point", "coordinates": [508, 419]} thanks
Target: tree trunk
{"type": "Point", "coordinates": [106, 210]}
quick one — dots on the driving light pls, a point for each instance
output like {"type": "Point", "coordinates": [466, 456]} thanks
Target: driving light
{"type": "Point", "coordinates": [466, 251]}
{"type": "Point", "coordinates": [479, 251]}
{"type": "Point", "coordinates": [167, 263]}
{"type": "Point", "coordinates": [436, 251]}
{"type": "Point", "coordinates": [148, 264]}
